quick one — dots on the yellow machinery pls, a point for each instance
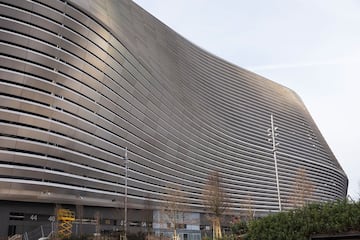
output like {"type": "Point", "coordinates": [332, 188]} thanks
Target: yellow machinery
{"type": "Point", "coordinates": [65, 218]}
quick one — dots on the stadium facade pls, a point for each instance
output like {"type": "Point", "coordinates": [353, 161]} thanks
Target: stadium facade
{"type": "Point", "coordinates": [81, 81]}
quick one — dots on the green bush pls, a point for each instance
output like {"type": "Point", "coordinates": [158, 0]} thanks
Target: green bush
{"type": "Point", "coordinates": [298, 224]}
{"type": "Point", "coordinates": [239, 227]}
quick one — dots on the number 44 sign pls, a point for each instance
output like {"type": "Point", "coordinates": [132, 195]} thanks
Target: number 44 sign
{"type": "Point", "coordinates": [36, 217]}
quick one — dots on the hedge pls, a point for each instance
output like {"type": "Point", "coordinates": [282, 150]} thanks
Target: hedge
{"type": "Point", "coordinates": [316, 218]}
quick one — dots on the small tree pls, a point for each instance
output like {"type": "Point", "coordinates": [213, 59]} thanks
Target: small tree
{"type": "Point", "coordinates": [302, 189]}
{"type": "Point", "coordinates": [250, 212]}
{"type": "Point", "coordinates": [239, 224]}
{"type": "Point", "coordinates": [216, 202]}
{"type": "Point", "coordinates": [174, 209]}
{"type": "Point", "coordinates": [97, 218]}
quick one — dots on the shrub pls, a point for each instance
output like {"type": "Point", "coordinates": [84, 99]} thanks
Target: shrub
{"type": "Point", "coordinates": [297, 224]}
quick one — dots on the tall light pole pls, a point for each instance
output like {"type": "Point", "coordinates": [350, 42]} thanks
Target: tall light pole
{"type": "Point", "coordinates": [126, 192]}
{"type": "Point", "coordinates": [272, 133]}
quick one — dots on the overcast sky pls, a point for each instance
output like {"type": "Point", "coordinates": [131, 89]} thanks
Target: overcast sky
{"type": "Point", "coordinates": [312, 47]}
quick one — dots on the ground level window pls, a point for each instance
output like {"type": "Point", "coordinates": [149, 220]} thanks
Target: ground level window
{"type": "Point", "coordinates": [11, 230]}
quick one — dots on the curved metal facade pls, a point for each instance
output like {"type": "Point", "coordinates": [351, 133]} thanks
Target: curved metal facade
{"type": "Point", "coordinates": [83, 80]}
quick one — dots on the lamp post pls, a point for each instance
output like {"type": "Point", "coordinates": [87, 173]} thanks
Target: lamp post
{"type": "Point", "coordinates": [272, 133]}
{"type": "Point", "coordinates": [126, 192]}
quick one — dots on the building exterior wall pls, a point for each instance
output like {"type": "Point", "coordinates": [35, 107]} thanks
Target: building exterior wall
{"type": "Point", "coordinates": [83, 80]}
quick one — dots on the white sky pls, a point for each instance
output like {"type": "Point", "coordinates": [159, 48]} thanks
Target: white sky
{"type": "Point", "coordinates": [312, 47]}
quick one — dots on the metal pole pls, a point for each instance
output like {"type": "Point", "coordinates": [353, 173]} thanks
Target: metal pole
{"type": "Point", "coordinates": [126, 192]}
{"type": "Point", "coordinates": [275, 160]}
{"type": "Point", "coordinates": [42, 231]}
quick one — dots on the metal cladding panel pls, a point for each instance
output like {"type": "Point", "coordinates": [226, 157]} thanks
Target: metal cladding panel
{"type": "Point", "coordinates": [83, 80]}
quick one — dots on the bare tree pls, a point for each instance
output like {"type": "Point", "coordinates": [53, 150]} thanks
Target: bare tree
{"type": "Point", "coordinates": [173, 209]}
{"type": "Point", "coordinates": [216, 202]}
{"type": "Point", "coordinates": [97, 218]}
{"type": "Point", "coordinates": [250, 212]}
{"type": "Point", "coordinates": [302, 189]}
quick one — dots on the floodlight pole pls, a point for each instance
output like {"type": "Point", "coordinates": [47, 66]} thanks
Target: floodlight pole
{"type": "Point", "coordinates": [126, 193]}
{"type": "Point", "coordinates": [273, 134]}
